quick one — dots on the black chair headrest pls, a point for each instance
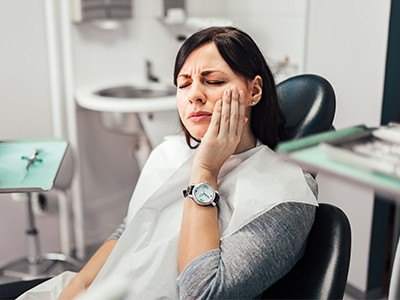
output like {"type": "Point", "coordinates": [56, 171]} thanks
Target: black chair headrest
{"type": "Point", "coordinates": [308, 104]}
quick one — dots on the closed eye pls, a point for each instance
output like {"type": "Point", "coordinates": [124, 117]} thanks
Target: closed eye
{"type": "Point", "coordinates": [183, 85]}
{"type": "Point", "coordinates": [211, 82]}
{"type": "Point", "coordinates": [215, 82]}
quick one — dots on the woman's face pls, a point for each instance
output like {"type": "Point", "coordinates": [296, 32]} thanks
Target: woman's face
{"type": "Point", "coordinates": [202, 80]}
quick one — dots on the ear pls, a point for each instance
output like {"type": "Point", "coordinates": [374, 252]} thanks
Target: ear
{"type": "Point", "coordinates": [256, 90]}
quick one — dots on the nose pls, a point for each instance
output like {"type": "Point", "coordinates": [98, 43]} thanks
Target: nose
{"type": "Point", "coordinates": [196, 93]}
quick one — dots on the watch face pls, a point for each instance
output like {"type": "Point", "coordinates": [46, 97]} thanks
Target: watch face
{"type": "Point", "coordinates": [203, 193]}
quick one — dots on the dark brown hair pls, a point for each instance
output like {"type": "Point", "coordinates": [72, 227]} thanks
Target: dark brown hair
{"type": "Point", "coordinates": [241, 53]}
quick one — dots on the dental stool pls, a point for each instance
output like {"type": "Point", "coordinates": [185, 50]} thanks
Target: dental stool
{"type": "Point", "coordinates": [42, 265]}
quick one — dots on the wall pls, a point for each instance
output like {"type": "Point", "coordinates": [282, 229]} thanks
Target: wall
{"type": "Point", "coordinates": [347, 45]}
{"type": "Point", "coordinates": [278, 27]}
{"type": "Point", "coordinates": [25, 111]}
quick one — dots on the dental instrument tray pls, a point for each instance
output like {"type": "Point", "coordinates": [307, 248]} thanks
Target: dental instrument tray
{"type": "Point", "coordinates": [30, 165]}
{"type": "Point", "coordinates": [377, 150]}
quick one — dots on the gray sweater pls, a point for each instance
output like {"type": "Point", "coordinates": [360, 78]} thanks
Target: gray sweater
{"type": "Point", "coordinates": [253, 258]}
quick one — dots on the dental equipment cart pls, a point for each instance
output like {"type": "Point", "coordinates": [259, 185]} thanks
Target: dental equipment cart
{"type": "Point", "coordinates": [28, 166]}
{"type": "Point", "coordinates": [310, 153]}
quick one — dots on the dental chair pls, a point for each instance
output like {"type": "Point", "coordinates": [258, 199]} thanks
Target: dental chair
{"type": "Point", "coordinates": [308, 103]}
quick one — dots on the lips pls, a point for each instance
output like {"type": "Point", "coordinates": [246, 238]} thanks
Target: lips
{"type": "Point", "coordinates": [198, 116]}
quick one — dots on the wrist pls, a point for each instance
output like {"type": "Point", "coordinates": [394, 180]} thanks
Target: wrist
{"type": "Point", "coordinates": [202, 176]}
{"type": "Point", "coordinates": [79, 280]}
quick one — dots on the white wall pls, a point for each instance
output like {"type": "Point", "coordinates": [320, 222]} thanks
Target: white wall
{"type": "Point", "coordinates": [278, 27]}
{"type": "Point", "coordinates": [347, 45]}
{"type": "Point", "coordinates": [25, 100]}
{"type": "Point", "coordinates": [25, 111]}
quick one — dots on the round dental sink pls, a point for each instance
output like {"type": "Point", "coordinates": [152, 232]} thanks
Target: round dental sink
{"type": "Point", "coordinates": [129, 91]}
{"type": "Point", "coordinates": [128, 98]}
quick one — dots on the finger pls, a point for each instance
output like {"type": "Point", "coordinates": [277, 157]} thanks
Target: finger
{"type": "Point", "coordinates": [242, 119]}
{"type": "Point", "coordinates": [213, 128]}
{"type": "Point", "coordinates": [225, 113]}
{"type": "Point", "coordinates": [234, 115]}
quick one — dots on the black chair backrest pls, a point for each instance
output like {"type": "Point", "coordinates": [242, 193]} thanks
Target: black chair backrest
{"type": "Point", "coordinates": [322, 272]}
{"type": "Point", "coordinates": [308, 104]}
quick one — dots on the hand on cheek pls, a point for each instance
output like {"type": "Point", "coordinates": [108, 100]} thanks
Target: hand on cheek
{"type": "Point", "coordinates": [223, 134]}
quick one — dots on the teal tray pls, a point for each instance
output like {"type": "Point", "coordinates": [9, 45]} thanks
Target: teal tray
{"type": "Point", "coordinates": [41, 175]}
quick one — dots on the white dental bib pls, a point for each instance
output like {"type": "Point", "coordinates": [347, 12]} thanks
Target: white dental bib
{"type": "Point", "coordinates": [143, 264]}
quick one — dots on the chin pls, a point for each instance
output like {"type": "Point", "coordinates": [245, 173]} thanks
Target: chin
{"type": "Point", "coordinates": [197, 133]}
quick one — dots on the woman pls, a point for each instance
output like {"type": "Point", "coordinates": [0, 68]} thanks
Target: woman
{"type": "Point", "coordinates": [200, 246]}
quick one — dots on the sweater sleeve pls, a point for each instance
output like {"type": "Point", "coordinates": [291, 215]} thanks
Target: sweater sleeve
{"type": "Point", "coordinates": [253, 258]}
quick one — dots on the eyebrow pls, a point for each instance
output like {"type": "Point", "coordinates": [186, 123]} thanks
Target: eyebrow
{"type": "Point", "coordinates": [204, 73]}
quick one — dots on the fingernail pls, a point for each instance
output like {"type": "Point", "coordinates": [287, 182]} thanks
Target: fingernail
{"type": "Point", "coordinates": [228, 92]}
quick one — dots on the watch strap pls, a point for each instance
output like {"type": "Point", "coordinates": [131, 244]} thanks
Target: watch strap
{"type": "Point", "coordinates": [216, 199]}
{"type": "Point", "coordinates": [188, 191]}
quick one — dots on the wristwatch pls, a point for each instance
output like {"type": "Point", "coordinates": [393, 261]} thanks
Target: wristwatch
{"type": "Point", "coordinates": [202, 193]}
